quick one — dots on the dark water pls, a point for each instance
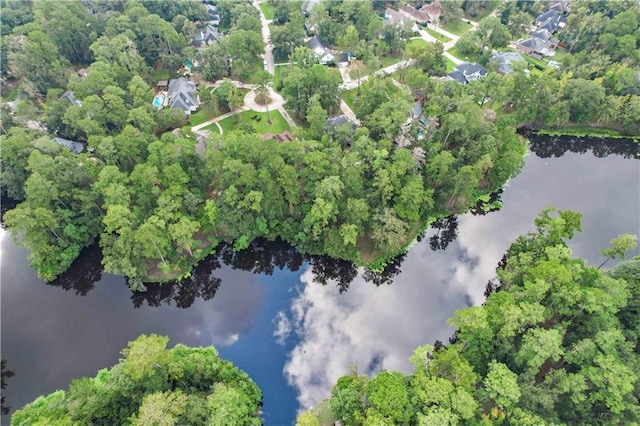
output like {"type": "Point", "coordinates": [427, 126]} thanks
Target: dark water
{"type": "Point", "coordinates": [268, 311]}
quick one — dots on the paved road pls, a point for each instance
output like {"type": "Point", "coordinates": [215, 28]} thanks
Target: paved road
{"type": "Point", "coordinates": [269, 62]}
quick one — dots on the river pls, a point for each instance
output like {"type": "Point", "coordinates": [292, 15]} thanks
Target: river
{"type": "Point", "coordinates": [297, 323]}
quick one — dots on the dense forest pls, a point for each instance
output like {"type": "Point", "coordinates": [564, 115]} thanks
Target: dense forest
{"type": "Point", "coordinates": [153, 385]}
{"type": "Point", "coordinates": [556, 342]}
{"type": "Point", "coordinates": [156, 205]}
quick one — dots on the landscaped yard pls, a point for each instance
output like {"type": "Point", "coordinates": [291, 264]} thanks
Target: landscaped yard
{"type": "Point", "coordinates": [349, 97]}
{"type": "Point", "coordinates": [440, 37]}
{"type": "Point", "coordinates": [388, 60]}
{"type": "Point", "coordinates": [450, 65]}
{"type": "Point", "coordinates": [457, 27]}
{"type": "Point", "coordinates": [161, 74]}
{"type": "Point", "coordinates": [466, 58]}
{"type": "Point", "coordinates": [416, 42]}
{"type": "Point", "coordinates": [268, 10]}
{"type": "Point", "coordinates": [483, 12]}
{"type": "Point", "coordinates": [256, 119]}
{"type": "Point", "coordinates": [200, 117]}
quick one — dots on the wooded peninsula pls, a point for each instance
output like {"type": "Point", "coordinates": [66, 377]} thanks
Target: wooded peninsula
{"type": "Point", "coordinates": [139, 125]}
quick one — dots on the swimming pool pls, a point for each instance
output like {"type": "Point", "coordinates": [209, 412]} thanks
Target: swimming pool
{"type": "Point", "coordinates": [158, 100]}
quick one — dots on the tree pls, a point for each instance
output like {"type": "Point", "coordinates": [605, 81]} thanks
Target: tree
{"type": "Point", "coordinates": [492, 33]}
{"type": "Point", "coordinates": [316, 117]}
{"type": "Point", "coordinates": [262, 79]}
{"type": "Point", "coordinates": [619, 247]}
{"type": "Point", "coordinates": [183, 386]}
{"type": "Point", "coordinates": [583, 97]}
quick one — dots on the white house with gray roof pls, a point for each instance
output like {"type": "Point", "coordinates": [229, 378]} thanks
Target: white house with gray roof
{"type": "Point", "coordinates": [182, 95]}
{"type": "Point", "coordinates": [504, 61]}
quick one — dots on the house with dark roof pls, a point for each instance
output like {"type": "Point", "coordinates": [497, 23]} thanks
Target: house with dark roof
{"type": "Point", "coordinates": [206, 36]}
{"type": "Point", "coordinates": [323, 54]}
{"type": "Point", "coordinates": [213, 15]}
{"type": "Point", "coordinates": [504, 61]}
{"type": "Point", "coordinates": [73, 146]}
{"type": "Point", "coordinates": [551, 20]}
{"type": "Point", "coordinates": [68, 96]}
{"type": "Point", "coordinates": [182, 95]}
{"type": "Point", "coordinates": [345, 59]}
{"type": "Point", "coordinates": [466, 72]}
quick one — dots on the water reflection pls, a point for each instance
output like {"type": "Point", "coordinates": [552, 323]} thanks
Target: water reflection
{"type": "Point", "coordinates": [556, 146]}
{"type": "Point", "coordinates": [5, 373]}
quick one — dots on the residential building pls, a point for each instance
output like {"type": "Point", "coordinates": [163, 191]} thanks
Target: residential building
{"type": "Point", "coordinates": [504, 61]}
{"type": "Point", "coordinates": [551, 20]}
{"type": "Point", "coordinates": [68, 95]}
{"type": "Point", "coordinates": [182, 95]}
{"type": "Point", "coordinates": [416, 15]}
{"type": "Point", "coordinates": [433, 11]}
{"type": "Point", "coordinates": [536, 47]}
{"type": "Point", "coordinates": [206, 36]}
{"type": "Point", "coordinates": [324, 55]}
{"type": "Point", "coordinates": [75, 147]}
{"type": "Point", "coordinates": [403, 18]}
{"type": "Point", "coordinates": [466, 72]}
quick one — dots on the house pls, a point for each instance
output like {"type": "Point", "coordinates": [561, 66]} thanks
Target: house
{"type": "Point", "coordinates": [285, 136]}
{"type": "Point", "coordinates": [551, 20]}
{"type": "Point", "coordinates": [433, 11]}
{"type": "Point", "coordinates": [323, 54]}
{"type": "Point", "coordinates": [466, 72]}
{"type": "Point", "coordinates": [68, 95]}
{"type": "Point", "coordinates": [206, 36]}
{"type": "Point", "coordinates": [417, 113]}
{"type": "Point", "coordinates": [504, 61]}
{"type": "Point", "coordinates": [535, 47]}
{"type": "Point", "coordinates": [417, 15]}
{"type": "Point", "coordinates": [182, 95]}
{"type": "Point", "coordinates": [213, 15]}
{"type": "Point", "coordinates": [391, 17]}
{"type": "Point", "coordinates": [339, 120]}
{"type": "Point", "coordinates": [75, 147]}
{"type": "Point", "coordinates": [345, 59]}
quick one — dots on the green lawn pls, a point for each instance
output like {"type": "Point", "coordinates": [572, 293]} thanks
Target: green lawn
{"type": "Point", "coordinates": [278, 123]}
{"type": "Point", "coordinates": [441, 37]}
{"type": "Point", "coordinates": [200, 117]}
{"type": "Point", "coordinates": [268, 9]}
{"type": "Point", "coordinates": [278, 75]}
{"type": "Point", "coordinates": [161, 74]}
{"type": "Point", "coordinates": [388, 60]}
{"type": "Point", "coordinates": [416, 42]}
{"type": "Point", "coordinates": [349, 97]}
{"type": "Point", "coordinates": [467, 58]}
{"type": "Point", "coordinates": [450, 65]}
{"type": "Point", "coordinates": [458, 27]}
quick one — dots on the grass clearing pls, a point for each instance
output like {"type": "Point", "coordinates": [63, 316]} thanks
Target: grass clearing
{"type": "Point", "coordinates": [389, 60]}
{"type": "Point", "coordinates": [483, 12]}
{"type": "Point", "coordinates": [268, 10]}
{"type": "Point", "coordinates": [258, 120]}
{"type": "Point", "coordinates": [161, 74]}
{"type": "Point", "coordinates": [349, 96]}
{"type": "Point", "coordinates": [466, 58]}
{"type": "Point", "coordinates": [416, 42]}
{"type": "Point", "coordinates": [457, 27]}
{"type": "Point", "coordinates": [440, 37]}
{"type": "Point", "coordinates": [450, 65]}
{"type": "Point", "coordinates": [200, 117]}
